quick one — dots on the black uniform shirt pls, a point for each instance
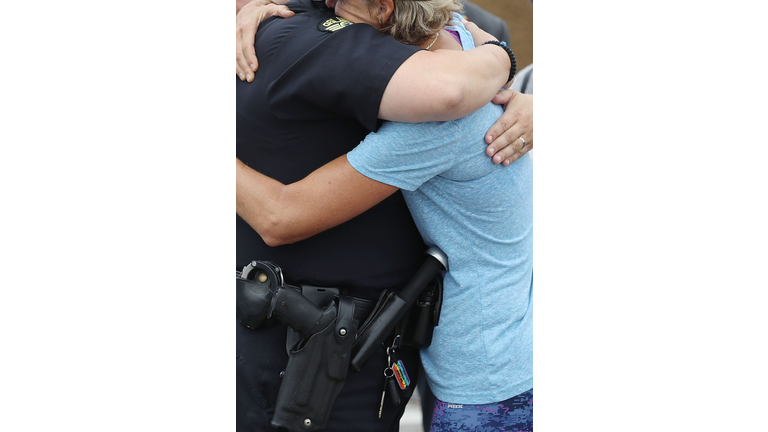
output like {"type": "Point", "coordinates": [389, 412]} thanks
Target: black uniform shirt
{"type": "Point", "coordinates": [315, 96]}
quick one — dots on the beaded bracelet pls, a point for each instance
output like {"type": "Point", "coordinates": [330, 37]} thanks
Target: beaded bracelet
{"type": "Point", "coordinates": [513, 70]}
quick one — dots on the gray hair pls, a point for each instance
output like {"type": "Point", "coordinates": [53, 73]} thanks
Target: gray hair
{"type": "Point", "coordinates": [413, 21]}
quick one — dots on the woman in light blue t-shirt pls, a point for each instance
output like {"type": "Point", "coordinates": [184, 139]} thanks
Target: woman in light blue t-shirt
{"type": "Point", "coordinates": [480, 214]}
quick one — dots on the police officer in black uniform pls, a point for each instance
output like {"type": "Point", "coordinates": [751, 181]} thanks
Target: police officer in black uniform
{"type": "Point", "coordinates": [316, 95]}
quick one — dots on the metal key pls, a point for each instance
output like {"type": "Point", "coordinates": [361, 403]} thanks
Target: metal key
{"type": "Point", "coordinates": [383, 393]}
{"type": "Point", "coordinates": [388, 376]}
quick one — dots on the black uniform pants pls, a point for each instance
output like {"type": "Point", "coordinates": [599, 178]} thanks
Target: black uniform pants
{"type": "Point", "coordinates": [261, 356]}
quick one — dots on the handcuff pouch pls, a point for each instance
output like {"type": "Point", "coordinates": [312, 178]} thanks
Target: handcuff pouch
{"type": "Point", "coordinates": [256, 285]}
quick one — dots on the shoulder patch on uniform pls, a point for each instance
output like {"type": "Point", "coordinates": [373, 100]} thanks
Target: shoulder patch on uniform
{"type": "Point", "coordinates": [333, 24]}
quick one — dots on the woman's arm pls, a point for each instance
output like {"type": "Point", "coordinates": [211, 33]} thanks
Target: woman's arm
{"type": "Point", "coordinates": [282, 214]}
{"type": "Point", "coordinates": [447, 92]}
{"type": "Point", "coordinates": [445, 84]}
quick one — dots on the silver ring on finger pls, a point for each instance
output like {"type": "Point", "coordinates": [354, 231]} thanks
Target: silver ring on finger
{"type": "Point", "coordinates": [521, 139]}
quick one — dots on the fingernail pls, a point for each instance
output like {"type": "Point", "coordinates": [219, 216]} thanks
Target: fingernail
{"type": "Point", "coordinates": [253, 67]}
{"type": "Point", "coordinates": [496, 159]}
{"type": "Point", "coordinates": [491, 151]}
{"type": "Point", "coordinates": [242, 77]}
{"type": "Point", "coordinates": [489, 139]}
{"type": "Point", "coordinates": [248, 77]}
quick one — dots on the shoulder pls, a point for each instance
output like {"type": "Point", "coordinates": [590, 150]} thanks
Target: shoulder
{"type": "Point", "coordinates": [467, 42]}
{"type": "Point", "coordinates": [360, 39]}
{"type": "Point", "coordinates": [319, 32]}
{"type": "Point", "coordinates": [301, 6]}
{"type": "Point", "coordinates": [413, 141]}
{"type": "Point", "coordinates": [429, 130]}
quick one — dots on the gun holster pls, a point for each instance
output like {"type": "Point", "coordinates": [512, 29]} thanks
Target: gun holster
{"type": "Point", "coordinates": [323, 329]}
{"type": "Point", "coordinates": [316, 371]}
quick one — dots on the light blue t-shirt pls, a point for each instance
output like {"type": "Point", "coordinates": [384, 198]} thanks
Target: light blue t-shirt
{"type": "Point", "coordinates": [481, 215]}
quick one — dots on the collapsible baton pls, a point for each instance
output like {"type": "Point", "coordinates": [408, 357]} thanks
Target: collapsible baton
{"type": "Point", "coordinates": [392, 307]}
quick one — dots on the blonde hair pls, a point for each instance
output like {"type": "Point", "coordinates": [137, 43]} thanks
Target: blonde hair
{"type": "Point", "coordinates": [412, 21]}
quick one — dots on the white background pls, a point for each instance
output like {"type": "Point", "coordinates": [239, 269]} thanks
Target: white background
{"type": "Point", "coordinates": [117, 226]}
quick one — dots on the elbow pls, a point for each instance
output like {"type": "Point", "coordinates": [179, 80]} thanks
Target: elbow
{"type": "Point", "coordinates": [273, 240]}
{"type": "Point", "coordinates": [455, 99]}
{"type": "Point", "coordinates": [274, 232]}
{"type": "Point", "coordinates": [266, 218]}
{"type": "Point", "coordinates": [279, 238]}
{"type": "Point", "coordinates": [276, 223]}
{"type": "Point", "coordinates": [451, 102]}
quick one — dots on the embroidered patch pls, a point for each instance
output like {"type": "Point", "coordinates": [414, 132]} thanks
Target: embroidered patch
{"type": "Point", "coordinates": [333, 24]}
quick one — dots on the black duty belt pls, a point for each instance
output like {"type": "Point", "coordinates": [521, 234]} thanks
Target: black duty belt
{"type": "Point", "coordinates": [321, 296]}
{"type": "Point", "coordinates": [329, 332]}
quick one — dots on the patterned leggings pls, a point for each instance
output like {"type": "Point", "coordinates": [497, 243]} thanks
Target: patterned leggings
{"type": "Point", "coordinates": [512, 415]}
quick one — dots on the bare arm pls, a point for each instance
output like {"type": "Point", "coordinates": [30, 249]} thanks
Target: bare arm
{"type": "Point", "coordinates": [444, 85]}
{"type": "Point", "coordinates": [458, 82]}
{"type": "Point", "coordinates": [282, 214]}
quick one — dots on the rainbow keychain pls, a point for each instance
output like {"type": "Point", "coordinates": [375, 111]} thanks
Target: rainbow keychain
{"type": "Point", "coordinates": [401, 375]}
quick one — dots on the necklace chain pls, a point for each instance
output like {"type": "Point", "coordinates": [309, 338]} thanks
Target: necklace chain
{"type": "Point", "coordinates": [433, 42]}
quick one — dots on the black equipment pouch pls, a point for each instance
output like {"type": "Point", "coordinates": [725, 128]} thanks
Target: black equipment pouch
{"type": "Point", "coordinates": [416, 328]}
{"type": "Point", "coordinates": [315, 374]}
{"type": "Point", "coordinates": [392, 307]}
{"type": "Point", "coordinates": [389, 310]}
